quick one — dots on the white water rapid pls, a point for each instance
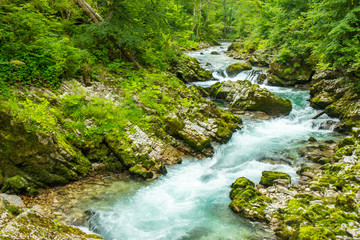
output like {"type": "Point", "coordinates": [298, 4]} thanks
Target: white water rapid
{"type": "Point", "coordinates": [191, 201]}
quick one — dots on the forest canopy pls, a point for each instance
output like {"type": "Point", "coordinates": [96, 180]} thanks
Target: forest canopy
{"type": "Point", "coordinates": [44, 41]}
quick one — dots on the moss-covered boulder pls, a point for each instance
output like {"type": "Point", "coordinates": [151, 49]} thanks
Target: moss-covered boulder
{"type": "Point", "coordinates": [33, 158]}
{"type": "Point", "coordinates": [19, 223]}
{"type": "Point", "coordinates": [274, 80]}
{"type": "Point", "coordinates": [18, 183]}
{"type": "Point", "coordinates": [188, 69]}
{"type": "Point", "coordinates": [291, 73]}
{"type": "Point", "coordinates": [247, 201]}
{"type": "Point", "coordinates": [235, 46]}
{"type": "Point", "coordinates": [268, 178]}
{"type": "Point", "coordinates": [339, 100]}
{"type": "Point", "coordinates": [173, 124]}
{"type": "Point", "coordinates": [243, 95]}
{"type": "Point", "coordinates": [236, 68]}
{"type": "Point", "coordinates": [139, 170]}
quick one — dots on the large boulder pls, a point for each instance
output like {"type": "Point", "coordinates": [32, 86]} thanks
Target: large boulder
{"type": "Point", "coordinates": [243, 95]}
{"type": "Point", "coordinates": [32, 159]}
{"type": "Point", "coordinates": [290, 73]}
{"type": "Point", "coordinates": [268, 178]}
{"type": "Point", "coordinates": [236, 68]}
{"type": "Point", "coordinates": [20, 223]}
{"type": "Point", "coordinates": [188, 69]}
{"type": "Point", "coordinates": [338, 99]}
{"type": "Point", "coordinates": [247, 201]}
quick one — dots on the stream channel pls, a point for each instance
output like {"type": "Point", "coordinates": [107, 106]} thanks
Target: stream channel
{"type": "Point", "coordinates": [191, 200]}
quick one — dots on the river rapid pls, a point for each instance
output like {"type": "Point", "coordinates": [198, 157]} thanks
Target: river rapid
{"type": "Point", "coordinates": [191, 201]}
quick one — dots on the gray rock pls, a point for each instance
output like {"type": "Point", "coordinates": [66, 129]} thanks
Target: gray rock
{"type": "Point", "coordinates": [13, 200]}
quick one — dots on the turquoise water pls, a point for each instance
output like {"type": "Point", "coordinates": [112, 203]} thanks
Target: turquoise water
{"type": "Point", "coordinates": [191, 201]}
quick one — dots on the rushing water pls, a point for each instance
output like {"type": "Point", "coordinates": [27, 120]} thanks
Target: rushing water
{"type": "Point", "coordinates": [191, 201]}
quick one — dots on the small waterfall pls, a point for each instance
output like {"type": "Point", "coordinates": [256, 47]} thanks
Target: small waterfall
{"type": "Point", "coordinates": [253, 75]}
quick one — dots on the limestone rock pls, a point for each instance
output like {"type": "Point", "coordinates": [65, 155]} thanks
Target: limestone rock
{"type": "Point", "coordinates": [243, 95]}
{"type": "Point", "coordinates": [247, 201]}
{"type": "Point", "coordinates": [236, 68]}
{"type": "Point", "coordinates": [268, 178]}
{"type": "Point", "coordinates": [188, 69]}
{"type": "Point", "coordinates": [290, 75]}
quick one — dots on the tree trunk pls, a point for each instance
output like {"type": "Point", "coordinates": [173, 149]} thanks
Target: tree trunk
{"type": "Point", "coordinates": [199, 21]}
{"type": "Point", "coordinates": [95, 17]}
{"type": "Point", "coordinates": [224, 18]}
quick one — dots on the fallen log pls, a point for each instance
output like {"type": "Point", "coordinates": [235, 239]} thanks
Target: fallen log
{"type": "Point", "coordinates": [319, 115]}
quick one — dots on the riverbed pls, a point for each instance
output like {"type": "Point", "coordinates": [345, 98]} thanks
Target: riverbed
{"type": "Point", "coordinates": [191, 200]}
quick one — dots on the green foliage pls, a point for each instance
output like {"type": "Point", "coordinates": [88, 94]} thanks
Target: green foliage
{"type": "Point", "coordinates": [34, 46]}
{"type": "Point", "coordinates": [325, 32]}
{"type": "Point", "coordinates": [12, 209]}
{"type": "Point", "coordinates": [36, 115]}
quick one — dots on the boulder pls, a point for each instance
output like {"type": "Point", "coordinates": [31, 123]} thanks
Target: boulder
{"type": "Point", "coordinates": [236, 68]}
{"type": "Point", "coordinates": [291, 73]}
{"type": "Point", "coordinates": [235, 46]}
{"type": "Point", "coordinates": [31, 159]}
{"type": "Point", "coordinates": [243, 95]}
{"type": "Point", "coordinates": [268, 178]}
{"type": "Point", "coordinates": [339, 100]}
{"type": "Point", "coordinates": [188, 69]}
{"type": "Point", "coordinates": [247, 201]}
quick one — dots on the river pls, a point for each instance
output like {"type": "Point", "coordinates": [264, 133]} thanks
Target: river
{"type": "Point", "coordinates": [191, 201]}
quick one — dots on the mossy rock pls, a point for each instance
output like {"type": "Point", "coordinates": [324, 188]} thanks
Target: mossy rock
{"type": "Point", "coordinates": [275, 81]}
{"type": "Point", "coordinates": [18, 183]}
{"type": "Point", "coordinates": [236, 68]}
{"type": "Point", "coordinates": [315, 233]}
{"type": "Point", "coordinates": [32, 225]}
{"type": "Point", "coordinates": [236, 46]}
{"type": "Point", "coordinates": [140, 171]}
{"type": "Point", "coordinates": [346, 203]}
{"type": "Point", "coordinates": [268, 177]}
{"type": "Point", "coordinates": [291, 75]}
{"type": "Point", "coordinates": [345, 151]}
{"type": "Point", "coordinates": [173, 124]}
{"type": "Point", "coordinates": [188, 69]}
{"type": "Point", "coordinates": [346, 142]}
{"type": "Point", "coordinates": [196, 140]}
{"type": "Point", "coordinates": [243, 95]}
{"type": "Point", "coordinates": [247, 201]}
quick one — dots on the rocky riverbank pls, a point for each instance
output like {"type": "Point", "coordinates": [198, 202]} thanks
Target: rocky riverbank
{"type": "Point", "coordinates": [324, 204]}
{"type": "Point", "coordinates": [134, 123]}
{"type": "Point", "coordinates": [18, 222]}
{"type": "Point", "coordinates": [139, 123]}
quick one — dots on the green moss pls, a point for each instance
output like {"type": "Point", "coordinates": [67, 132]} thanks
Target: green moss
{"type": "Point", "coordinates": [140, 171]}
{"type": "Point", "coordinates": [248, 201]}
{"type": "Point", "coordinates": [345, 151]}
{"type": "Point", "coordinates": [346, 202]}
{"type": "Point", "coordinates": [18, 183]}
{"type": "Point", "coordinates": [315, 233]}
{"type": "Point", "coordinates": [199, 142]}
{"type": "Point", "coordinates": [12, 209]}
{"type": "Point", "coordinates": [236, 68]}
{"type": "Point", "coordinates": [173, 124]}
{"type": "Point", "coordinates": [347, 141]}
{"type": "Point", "coordinates": [268, 177]}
